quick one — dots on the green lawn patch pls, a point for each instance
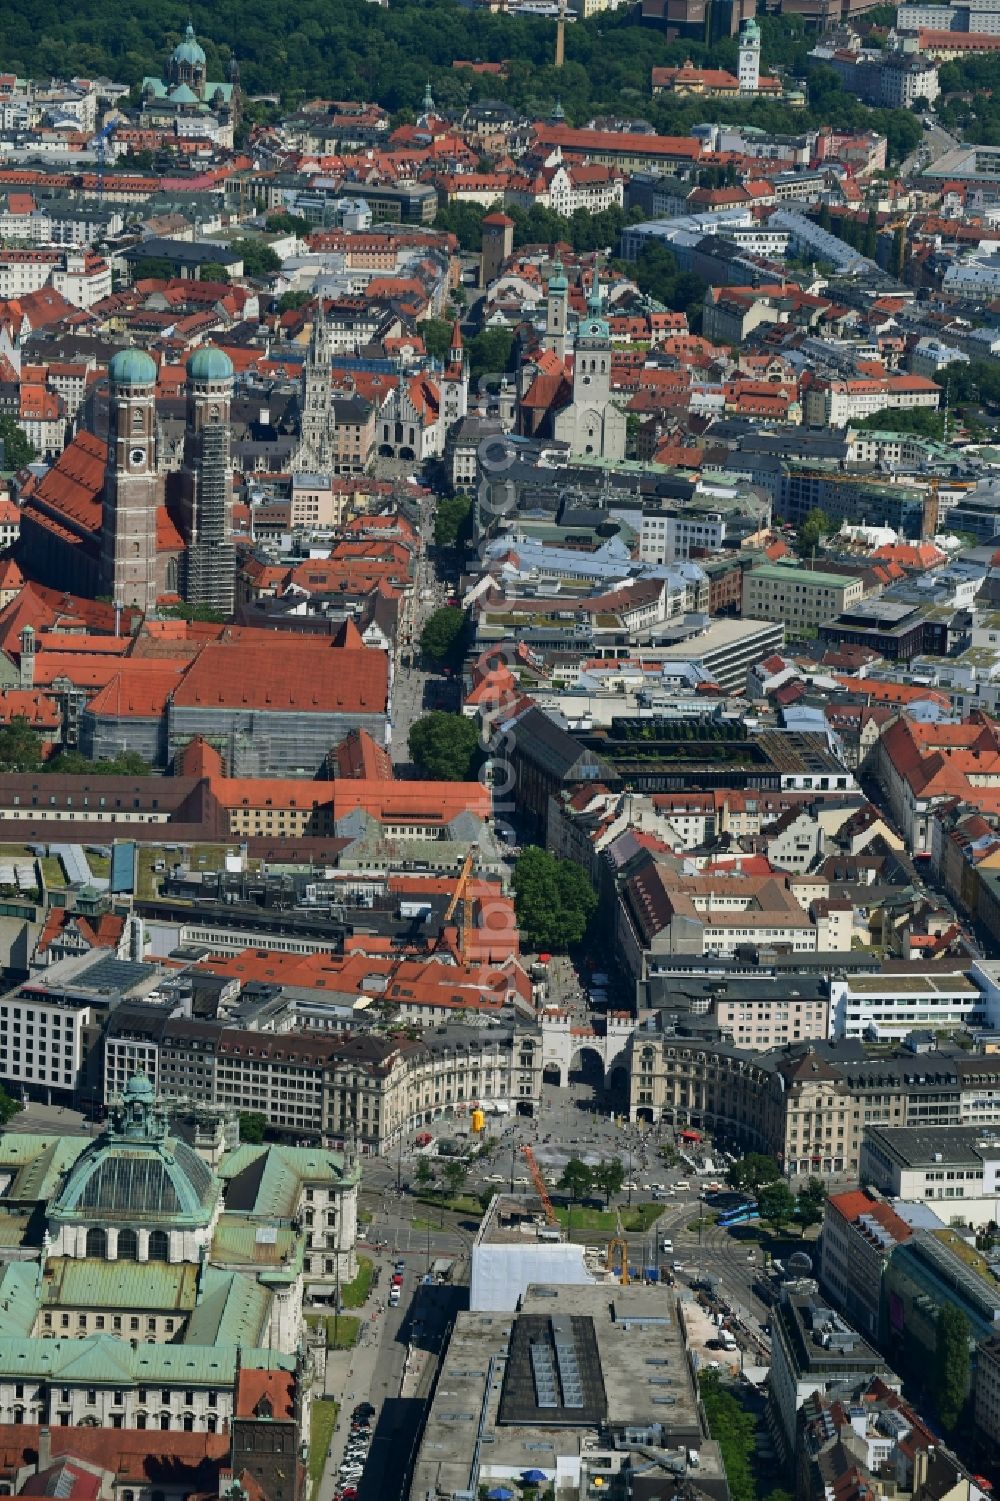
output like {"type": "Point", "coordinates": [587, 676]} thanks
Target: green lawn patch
{"type": "Point", "coordinates": [52, 870]}
{"type": "Point", "coordinates": [353, 1294]}
{"type": "Point", "coordinates": [420, 1223]}
{"type": "Point", "coordinates": [641, 1216]}
{"type": "Point", "coordinates": [341, 1329]}
{"type": "Point", "coordinates": [322, 1422]}
{"type": "Point", "coordinates": [461, 1204]}
{"type": "Point", "coordinates": [579, 1218]}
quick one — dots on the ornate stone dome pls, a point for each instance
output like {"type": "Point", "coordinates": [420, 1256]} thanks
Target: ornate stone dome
{"type": "Point", "coordinates": [188, 50]}
{"type": "Point", "coordinates": [137, 1173]}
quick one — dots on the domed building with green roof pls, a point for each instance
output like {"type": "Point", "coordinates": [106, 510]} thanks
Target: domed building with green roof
{"type": "Point", "coordinates": [208, 363]}
{"type": "Point", "coordinates": [187, 100]}
{"type": "Point", "coordinates": [132, 367]}
{"type": "Point", "coordinates": [138, 1193]}
{"type": "Point", "coordinates": [159, 1282]}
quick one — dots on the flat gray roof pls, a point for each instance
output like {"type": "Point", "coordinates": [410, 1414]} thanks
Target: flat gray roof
{"type": "Point", "coordinates": [929, 1146]}
{"type": "Point", "coordinates": [629, 1344]}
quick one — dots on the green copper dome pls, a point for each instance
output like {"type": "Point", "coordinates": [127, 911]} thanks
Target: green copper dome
{"type": "Point", "coordinates": [132, 367]}
{"type": "Point", "coordinates": [188, 51]}
{"type": "Point", "coordinates": [137, 1173]}
{"type": "Point", "coordinates": [209, 363]}
{"type": "Point", "coordinates": [139, 1087]}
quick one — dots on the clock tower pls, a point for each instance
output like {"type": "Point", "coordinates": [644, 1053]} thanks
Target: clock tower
{"type": "Point", "coordinates": [132, 486]}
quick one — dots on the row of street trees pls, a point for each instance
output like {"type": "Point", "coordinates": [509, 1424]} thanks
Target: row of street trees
{"type": "Point", "coordinates": [579, 1179]}
{"type": "Point", "coordinates": [760, 1175]}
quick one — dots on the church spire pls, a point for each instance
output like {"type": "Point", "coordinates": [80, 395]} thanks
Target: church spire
{"type": "Point", "coordinates": [456, 353]}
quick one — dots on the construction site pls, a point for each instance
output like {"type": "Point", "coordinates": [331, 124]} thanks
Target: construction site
{"type": "Point", "coordinates": [585, 1390]}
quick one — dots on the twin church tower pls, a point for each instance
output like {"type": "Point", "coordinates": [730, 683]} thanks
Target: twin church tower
{"type": "Point", "coordinates": [134, 486]}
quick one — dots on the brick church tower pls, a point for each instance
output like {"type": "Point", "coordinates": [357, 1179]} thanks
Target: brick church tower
{"type": "Point", "coordinates": [133, 489]}
{"type": "Point", "coordinates": [210, 573]}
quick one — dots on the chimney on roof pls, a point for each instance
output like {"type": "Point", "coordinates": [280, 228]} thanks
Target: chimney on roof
{"type": "Point", "coordinates": [44, 1448]}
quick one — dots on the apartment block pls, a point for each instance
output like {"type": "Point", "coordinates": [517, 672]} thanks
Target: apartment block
{"type": "Point", "coordinates": [799, 596]}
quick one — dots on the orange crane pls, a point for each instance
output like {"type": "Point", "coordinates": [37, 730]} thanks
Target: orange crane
{"type": "Point", "coordinates": [618, 1249]}
{"type": "Point", "coordinates": [539, 1182]}
{"type": "Point", "coordinates": [462, 894]}
{"type": "Point", "coordinates": [619, 1245]}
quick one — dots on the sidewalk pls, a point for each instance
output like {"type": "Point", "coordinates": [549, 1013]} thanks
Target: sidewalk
{"type": "Point", "coordinates": [350, 1374]}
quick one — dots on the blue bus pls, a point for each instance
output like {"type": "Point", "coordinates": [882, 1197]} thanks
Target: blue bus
{"type": "Point", "coordinates": [740, 1216]}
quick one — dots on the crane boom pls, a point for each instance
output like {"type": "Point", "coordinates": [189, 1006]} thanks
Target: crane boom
{"type": "Point", "coordinates": [539, 1182]}
{"type": "Point", "coordinates": [461, 894]}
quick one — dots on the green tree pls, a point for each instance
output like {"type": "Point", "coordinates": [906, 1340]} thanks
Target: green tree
{"type": "Point", "coordinates": [214, 271]}
{"type": "Point", "coordinates": [811, 1202]}
{"type": "Point", "coordinates": [490, 353]}
{"type": "Point", "coordinates": [733, 1429]}
{"type": "Point", "coordinates": [952, 1365]}
{"type": "Point", "coordinates": [258, 258]}
{"type": "Point", "coordinates": [657, 272]}
{"type": "Point", "coordinates": [154, 268]}
{"type": "Point", "coordinates": [8, 1107]}
{"type": "Point", "coordinates": [289, 301]}
{"type": "Point", "coordinates": [816, 526]}
{"type": "Point", "coordinates": [19, 746]}
{"type": "Point", "coordinates": [752, 1171]}
{"type": "Point", "coordinates": [253, 1125]}
{"type": "Point", "coordinates": [609, 1176]}
{"type": "Point", "coordinates": [464, 221]}
{"type": "Point", "coordinates": [17, 451]}
{"type": "Point", "coordinates": [424, 1173]}
{"type": "Point", "coordinates": [185, 611]}
{"type": "Point", "coordinates": [445, 745]}
{"type": "Point", "coordinates": [441, 636]}
{"type": "Point", "coordinates": [452, 520]}
{"type": "Point", "coordinates": [577, 1179]}
{"type": "Point", "coordinates": [282, 223]}
{"type": "Point", "coordinates": [554, 901]}
{"type": "Point", "coordinates": [920, 420]}
{"type": "Point", "coordinates": [455, 1175]}
{"type": "Point", "coordinates": [436, 334]}
{"type": "Point", "coordinates": [776, 1203]}
{"type": "Point", "coordinates": [127, 763]}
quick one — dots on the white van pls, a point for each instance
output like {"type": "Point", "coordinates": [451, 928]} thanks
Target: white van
{"type": "Point", "coordinates": [666, 1246]}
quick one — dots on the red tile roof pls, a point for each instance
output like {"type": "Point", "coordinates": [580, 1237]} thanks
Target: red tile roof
{"type": "Point", "coordinates": [139, 689]}
{"type": "Point", "coordinates": [265, 1394]}
{"type": "Point", "coordinates": [309, 676]}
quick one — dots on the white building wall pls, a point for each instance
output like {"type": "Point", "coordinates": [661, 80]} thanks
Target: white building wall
{"type": "Point", "coordinates": [501, 1274]}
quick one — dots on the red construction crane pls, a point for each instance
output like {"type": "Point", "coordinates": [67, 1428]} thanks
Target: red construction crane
{"type": "Point", "coordinates": [463, 894]}
{"type": "Point", "coordinates": [539, 1182]}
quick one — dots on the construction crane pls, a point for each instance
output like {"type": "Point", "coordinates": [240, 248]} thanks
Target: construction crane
{"type": "Point", "coordinates": [463, 895]}
{"type": "Point", "coordinates": [539, 1182]}
{"type": "Point", "coordinates": [618, 1244]}
{"type": "Point", "coordinates": [100, 147]}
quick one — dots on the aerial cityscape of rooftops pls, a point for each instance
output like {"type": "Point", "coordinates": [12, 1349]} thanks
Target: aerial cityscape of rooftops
{"type": "Point", "coordinates": [500, 750]}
